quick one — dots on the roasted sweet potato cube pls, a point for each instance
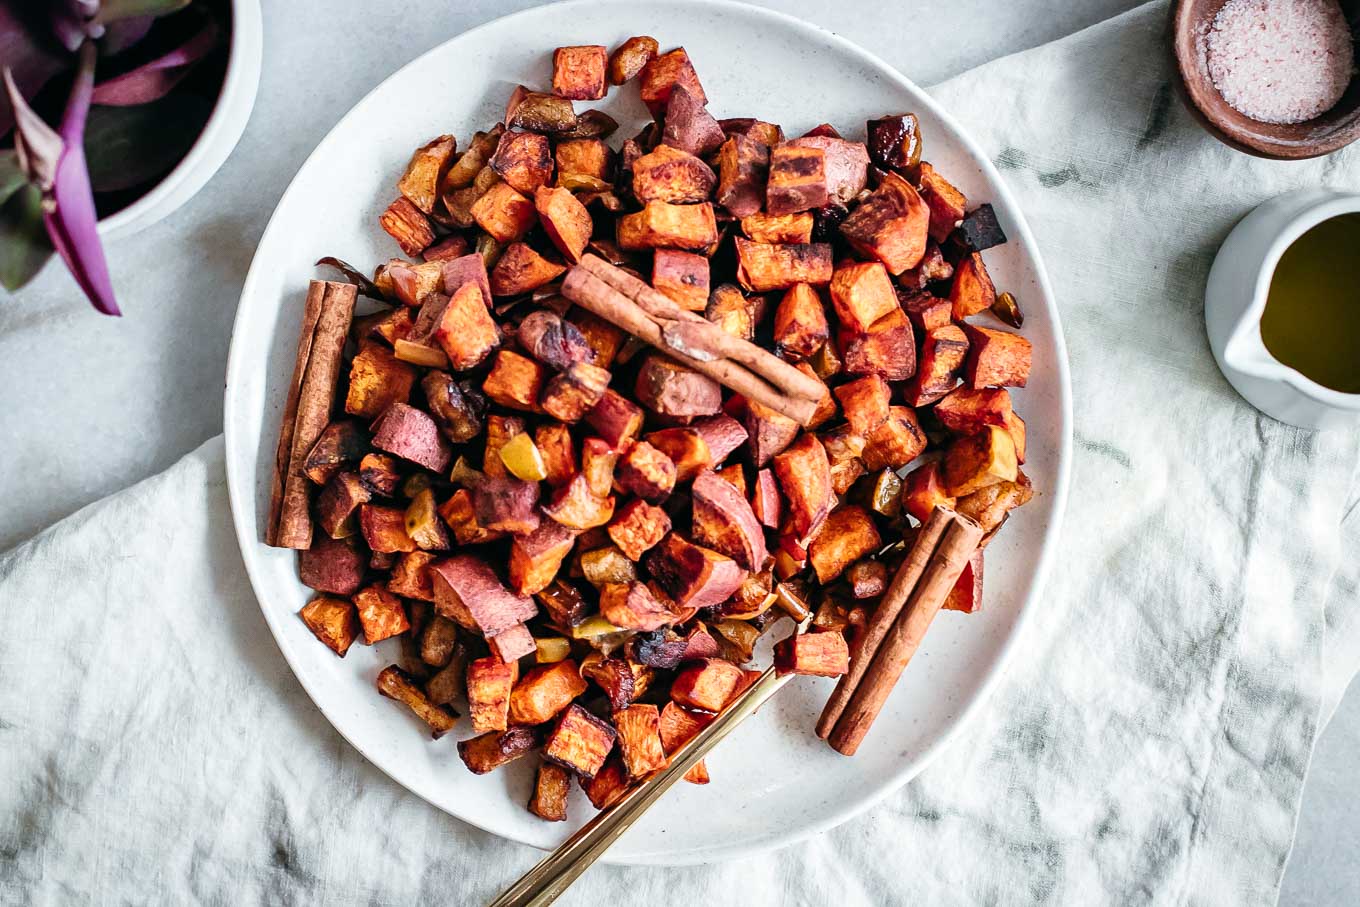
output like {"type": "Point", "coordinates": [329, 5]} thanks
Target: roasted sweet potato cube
{"type": "Point", "coordinates": [496, 748]}
{"type": "Point", "coordinates": [846, 164]}
{"type": "Point", "coordinates": [579, 741]}
{"type": "Point", "coordinates": [1016, 426]}
{"type": "Point", "coordinates": [989, 506]}
{"type": "Point", "coordinates": [553, 440]}
{"type": "Point", "coordinates": [762, 267]}
{"type": "Point", "coordinates": [566, 222]}
{"type": "Point", "coordinates": [466, 332]}
{"type": "Point", "coordinates": [575, 506]}
{"type": "Point", "coordinates": [865, 403]}
{"type": "Point", "coordinates": [334, 621]}
{"type": "Point", "coordinates": [887, 348]}
{"type": "Point", "coordinates": [551, 786]}
{"type": "Point", "coordinates": [664, 72]}
{"type": "Point", "coordinates": [804, 475]}
{"type": "Point", "coordinates": [972, 290]}
{"type": "Point", "coordinates": [609, 784]}
{"type": "Point", "coordinates": [823, 654]}
{"type": "Point", "coordinates": [862, 294]}
{"type": "Point", "coordinates": [735, 312]}
{"type": "Point", "coordinates": [338, 505]}
{"type": "Point", "coordinates": [966, 410]}
{"type": "Point", "coordinates": [377, 379]}
{"type": "Point", "coordinates": [896, 442]}
{"type": "Point", "coordinates": [671, 175]}
{"type": "Point", "coordinates": [632, 606]}
{"type": "Point", "coordinates": [768, 134]}
{"type": "Point", "coordinates": [639, 738]}
{"type": "Point", "coordinates": [458, 272]}
{"type": "Point", "coordinates": [500, 431]}
{"type": "Point", "coordinates": [660, 225]}
{"type": "Point", "coordinates": [689, 126]}
{"type": "Point", "coordinates": [340, 445]}
{"type": "Point", "coordinates": [396, 684]}
{"type": "Point", "coordinates": [923, 491]}
{"type": "Point", "coordinates": [848, 534]}
{"type": "Point", "coordinates": [571, 395]}
{"type": "Point", "coordinates": [408, 225]}
{"type": "Point", "coordinates": [506, 505]}
{"type": "Point", "coordinates": [621, 679]}
{"type": "Point", "coordinates": [597, 465]}
{"type": "Point", "coordinates": [743, 165]}
{"type": "Point", "coordinates": [722, 433]}
{"type": "Point", "coordinates": [722, 519]}
{"type": "Point", "coordinates": [411, 434]}
{"type": "Point", "coordinates": [996, 358]}
{"type": "Point", "coordinates": [603, 338]}
{"type": "Point", "coordinates": [458, 512]}
{"type": "Point", "coordinates": [384, 528]}
{"type": "Point", "coordinates": [616, 419]}
{"type": "Point", "coordinates": [512, 644]}
{"type": "Point", "coordinates": [504, 212]}
{"type": "Point", "coordinates": [521, 269]}
{"type": "Point", "coordinates": [461, 203]}
{"type": "Point", "coordinates": [578, 72]}
{"type": "Point", "coordinates": [685, 447]}
{"type": "Point", "coordinates": [932, 268]}
{"type": "Point", "coordinates": [927, 312]}
{"type": "Point", "coordinates": [966, 596]}
{"type": "Point", "coordinates": [942, 353]}
{"type": "Point", "coordinates": [694, 576]}
{"type": "Point", "coordinates": [768, 432]}
{"type": "Point", "coordinates": [783, 228]}
{"type": "Point", "coordinates": [708, 685]}
{"type": "Point", "coordinates": [583, 157]}
{"type": "Point", "coordinates": [734, 475]}
{"type": "Point", "coordinates": [665, 386]}
{"type": "Point", "coordinates": [891, 225]}
{"type": "Point", "coordinates": [379, 474]}
{"type": "Point", "coordinates": [682, 277]}
{"type": "Point", "coordinates": [467, 590]}
{"type": "Point", "coordinates": [535, 558]}
{"type": "Point", "coordinates": [630, 57]}
{"type": "Point", "coordinates": [515, 381]}
{"type": "Point", "coordinates": [979, 460]}
{"type": "Point", "coordinates": [411, 577]}
{"type": "Point", "coordinates": [381, 613]}
{"type": "Point", "coordinates": [645, 472]}
{"type": "Point", "coordinates": [489, 682]}
{"type": "Point", "coordinates": [676, 727]}
{"type": "Point", "coordinates": [797, 180]}
{"type": "Point", "coordinates": [447, 249]}
{"type": "Point", "coordinates": [425, 172]}
{"type": "Point", "coordinates": [947, 204]}
{"type": "Point", "coordinates": [800, 324]}
{"type": "Point", "coordinates": [524, 161]}
{"type": "Point", "coordinates": [765, 500]}
{"type": "Point", "coordinates": [637, 527]}
{"type": "Point", "coordinates": [545, 691]}
{"type": "Point", "coordinates": [554, 341]}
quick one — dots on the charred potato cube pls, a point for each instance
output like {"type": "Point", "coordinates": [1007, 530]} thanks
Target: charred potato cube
{"type": "Point", "coordinates": [603, 338]}
{"type": "Point", "coordinates": [694, 576]}
{"type": "Point", "coordinates": [862, 294]}
{"type": "Point", "coordinates": [579, 742]}
{"type": "Point", "coordinates": [461, 517]}
{"type": "Point", "coordinates": [762, 267]}
{"type": "Point", "coordinates": [334, 621]}
{"type": "Point", "coordinates": [638, 527]}
{"type": "Point", "coordinates": [896, 442]}
{"type": "Point", "coordinates": [467, 590]}
{"type": "Point", "coordinates": [515, 381]}
{"type": "Point", "coordinates": [671, 175]}
{"type": "Point", "coordinates": [524, 160]}
{"type": "Point", "coordinates": [682, 277]}
{"type": "Point", "coordinates": [795, 229]}
{"type": "Point", "coordinates": [722, 519]}
{"type": "Point", "coordinates": [574, 393]}
{"type": "Point", "coordinates": [664, 386]}
{"type": "Point", "coordinates": [507, 505]}
{"type": "Point", "coordinates": [887, 348]}
{"type": "Point", "coordinates": [768, 432]}
{"type": "Point", "coordinates": [846, 165]}
{"type": "Point", "coordinates": [722, 433]}
{"type": "Point", "coordinates": [579, 72]}
{"type": "Point", "coordinates": [340, 444]}
{"type": "Point", "coordinates": [338, 504]}
{"type": "Point", "coordinates": [660, 225]}
{"type": "Point", "coordinates": [408, 225]}
{"type": "Point", "coordinates": [996, 358]}
{"type": "Point", "coordinates": [500, 431]}
{"type": "Point", "coordinates": [396, 684]}
{"type": "Point", "coordinates": [865, 403]}
{"type": "Point", "coordinates": [765, 500]}
{"type": "Point", "coordinates": [946, 203]}
{"type": "Point", "coordinates": [734, 312]}
{"type": "Point", "coordinates": [409, 433]}
{"type": "Point", "coordinates": [942, 353]}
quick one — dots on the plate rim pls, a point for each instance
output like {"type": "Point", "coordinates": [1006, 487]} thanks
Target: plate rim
{"type": "Point", "coordinates": [239, 486]}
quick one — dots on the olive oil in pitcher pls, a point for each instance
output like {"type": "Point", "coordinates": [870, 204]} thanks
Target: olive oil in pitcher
{"type": "Point", "coordinates": [1312, 317]}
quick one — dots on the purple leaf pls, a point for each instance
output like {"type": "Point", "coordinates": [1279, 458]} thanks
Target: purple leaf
{"type": "Point", "coordinates": [154, 80]}
{"type": "Point", "coordinates": [124, 33]}
{"type": "Point", "coordinates": [127, 147]}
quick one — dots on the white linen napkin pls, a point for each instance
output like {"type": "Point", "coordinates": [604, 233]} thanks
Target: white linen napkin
{"type": "Point", "coordinates": [1149, 743]}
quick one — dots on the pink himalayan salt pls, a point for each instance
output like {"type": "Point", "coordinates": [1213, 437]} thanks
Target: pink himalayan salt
{"type": "Point", "coordinates": [1280, 61]}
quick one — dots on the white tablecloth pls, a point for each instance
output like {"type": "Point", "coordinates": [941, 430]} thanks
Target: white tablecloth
{"type": "Point", "coordinates": [1148, 745]}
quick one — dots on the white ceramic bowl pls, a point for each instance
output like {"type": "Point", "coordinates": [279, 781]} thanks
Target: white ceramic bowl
{"type": "Point", "coordinates": [773, 781]}
{"type": "Point", "coordinates": [220, 134]}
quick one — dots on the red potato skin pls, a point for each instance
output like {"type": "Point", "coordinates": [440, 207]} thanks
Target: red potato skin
{"type": "Point", "coordinates": [412, 435]}
{"type": "Point", "coordinates": [765, 500]}
{"type": "Point", "coordinates": [332, 565]}
{"type": "Point", "coordinates": [468, 591]}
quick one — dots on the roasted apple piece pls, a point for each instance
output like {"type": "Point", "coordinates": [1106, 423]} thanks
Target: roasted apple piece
{"type": "Point", "coordinates": [672, 175]}
{"type": "Point", "coordinates": [694, 576]}
{"type": "Point", "coordinates": [822, 654]}
{"type": "Point", "coordinates": [551, 786]}
{"type": "Point", "coordinates": [662, 73]}
{"type": "Point", "coordinates": [666, 387]}
{"type": "Point", "coordinates": [989, 506]}
{"type": "Point", "coordinates": [762, 267]}
{"type": "Point", "coordinates": [972, 290]}
{"type": "Point", "coordinates": [534, 111]}
{"type": "Point", "coordinates": [493, 749]}
{"type": "Point", "coordinates": [500, 431]}
{"type": "Point", "coordinates": [597, 465]}
{"type": "Point", "coordinates": [891, 225]}
{"type": "Point", "coordinates": [637, 527]}
{"type": "Point", "coordinates": [996, 358]}
{"type": "Point", "coordinates": [535, 558]}
{"type": "Point", "coordinates": [660, 225]}
{"type": "Point", "coordinates": [848, 534]}
{"type": "Point", "coordinates": [723, 520]}
{"type": "Point", "coordinates": [579, 72]}
{"type": "Point", "coordinates": [707, 685]}
{"type": "Point", "coordinates": [979, 460]}
{"type": "Point", "coordinates": [579, 742]}
{"type": "Point", "coordinates": [340, 445]}
{"type": "Point", "coordinates": [455, 409]}
{"type": "Point", "coordinates": [804, 476]}
{"type": "Point", "coordinates": [423, 524]}
{"type": "Point", "coordinates": [466, 590]}
{"type": "Point", "coordinates": [489, 682]}
{"type": "Point", "coordinates": [743, 165]}
{"type": "Point", "coordinates": [606, 564]}
{"type": "Point", "coordinates": [333, 621]}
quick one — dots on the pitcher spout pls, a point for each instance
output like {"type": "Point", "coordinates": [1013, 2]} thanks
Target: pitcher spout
{"type": "Point", "coordinates": [1247, 353]}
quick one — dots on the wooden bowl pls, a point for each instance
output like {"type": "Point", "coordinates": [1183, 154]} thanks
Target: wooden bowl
{"type": "Point", "coordinates": [1336, 128]}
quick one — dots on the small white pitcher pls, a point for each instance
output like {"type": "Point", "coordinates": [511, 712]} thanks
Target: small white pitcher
{"type": "Point", "coordinates": [1236, 296]}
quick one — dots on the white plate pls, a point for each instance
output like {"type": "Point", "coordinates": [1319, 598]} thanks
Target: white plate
{"type": "Point", "coordinates": [773, 781]}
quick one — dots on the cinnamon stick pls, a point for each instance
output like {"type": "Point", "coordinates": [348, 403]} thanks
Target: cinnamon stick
{"type": "Point", "coordinates": [885, 669]}
{"type": "Point", "coordinates": [869, 639]}
{"type": "Point", "coordinates": [311, 396]}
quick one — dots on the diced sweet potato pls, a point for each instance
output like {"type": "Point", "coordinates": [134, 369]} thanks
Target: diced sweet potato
{"type": "Point", "coordinates": [379, 474]}
{"type": "Point", "coordinates": [862, 294]}
{"type": "Point", "coordinates": [942, 353]}
{"type": "Point", "coordinates": [768, 432]}
{"type": "Point", "coordinates": [979, 460]}
{"type": "Point", "coordinates": [887, 348]}
{"type": "Point", "coordinates": [896, 442]}
{"type": "Point", "coordinates": [515, 381]}
{"type": "Point", "coordinates": [823, 654]}
{"type": "Point", "coordinates": [412, 435]}
{"type": "Point", "coordinates": [762, 267]}
{"type": "Point", "coordinates": [578, 72]}
{"type": "Point", "coordinates": [800, 324]}
{"type": "Point", "coordinates": [425, 172]}
{"type": "Point", "coordinates": [448, 248]}
{"type": "Point", "coordinates": [768, 134]}
{"type": "Point", "coordinates": [458, 512]}
{"type": "Point", "coordinates": [694, 576]}
{"type": "Point", "coordinates": [638, 527]}
{"type": "Point", "coordinates": [923, 491]}
{"type": "Point", "coordinates": [804, 475]}
{"type": "Point", "coordinates": [524, 161]}
{"type": "Point", "coordinates": [458, 273]}
{"type": "Point", "coordinates": [890, 225]}
{"type": "Point", "coordinates": [671, 175]}
{"type": "Point", "coordinates": [630, 57]}
{"type": "Point", "coordinates": [847, 164]}
{"type": "Point", "coordinates": [848, 534]}
{"type": "Point", "coordinates": [734, 312]}
{"type": "Point", "coordinates": [676, 727]}
{"type": "Point", "coordinates": [489, 682]}
{"type": "Point", "coordinates": [972, 290]}
{"type": "Point", "coordinates": [566, 222]}
{"type": "Point", "coordinates": [865, 403]}
{"type": "Point", "coordinates": [408, 225]}
{"type": "Point", "coordinates": [504, 212]}
{"type": "Point", "coordinates": [583, 157]}
{"type": "Point", "coordinates": [571, 395]}
{"type": "Point", "coordinates": [689, 126]}
{"type": "Point", "coordinates": [967, 410]}
{"type": "Point", "coordinates": [866, 578]}
{"type": "Point", "coordinates": [632, 606]}
{"type": "Point", "coordinates": [411, 577]}
{"type": "Point", "coordinates": [535, 558]}
{"type": "Point", "coordinates": [338, 505]}
{"type": "Point", "coordinates": [743, 165]}
{"type": "Point", "coordinates": [645, 472]}
{"type": "Point", "coordinates": [783, 228]}
{"type": "Point", "coordinates": [797, 180]}
{"type": "Point", "coordinates": [966, 596]}
{"type": "Point", "coordinates": [609, 785]}
{"type": "Point", "coordinates": [579, 741]}
{"type": "Point", "coordinates": [496, 748]}
{"type": "Point", "coordinates": [554, 341]}
{"type": "Point", "coordinates": [685, 447]}
{"type": "Point", "coordinates": [722, 433]}
{"type": "Point", "coordinates": [339, 446]}
{"type": "Point", "coordinates": [660, 225]}
{"type": "Point", "coordinates": [602, 337]}
{"type": "Point", "coordinates": [597, 465]}
{"type": "Point", "coordinates": [466, 590]}
{"type": "Point", "coordinates": [500, 431]}
{"type": "Point", "coordinates": [396, 684]}
{"type": "Point", "coordinates": [927, 312]}
{"type": "Point", "coordinates": [989, 506]}
{"type": "Point", "coordinates": [616, 419]}
{"type": "Point", "coordinates": [734, 475]}
{"type": "Point", "coordinates": [553, 440]}
{"type": "Point", "coordinates": [575, 506]}
{"type": "Point", "coordinates": [664, 72]}
{"type": "Point", "coordinates": [666, 387]}
{"type": "Point", "coordinates": [545, 691]}
{"type": "Point", "coordinates": [947, 204]}
{"type": "Point", "coordinates": [512, 644]}
{"type": "Point", "coordinates": [384, 529]}
{"type": "Point", "coordinates": [377, 379]}
{"type": "Point", "coordinates": [551, 786]}
{"type": "Point", "coordinates": [380, 613]}
{"type": "Point", "coordinates": [765, 500]}
{"type": "Point", "coordinates": [723, 520]}
{"type": "Point", "coordinates": [521, 270]}
{"type": "Point", "coordinates": [466, 331]}
{"type": "Point", "coordinates": [333, 621]}
{"type": "Point", "coordinates": [639, 730]}
{"type": "Point", "coordinates": [707, 685]}
{"type": "Point", "coordinates": [506, 505]}
{"type": "Point", "coordinates": [682, 277]}
{"type": "Point", "coordinates": [996, 358]}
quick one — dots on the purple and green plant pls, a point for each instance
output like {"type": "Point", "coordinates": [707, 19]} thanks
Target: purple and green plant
{"type": "Point", "coordinates": [97, 106]}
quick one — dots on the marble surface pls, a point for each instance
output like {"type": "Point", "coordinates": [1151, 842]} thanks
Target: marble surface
{"type": "Point", "coordinates": [89, 405]}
